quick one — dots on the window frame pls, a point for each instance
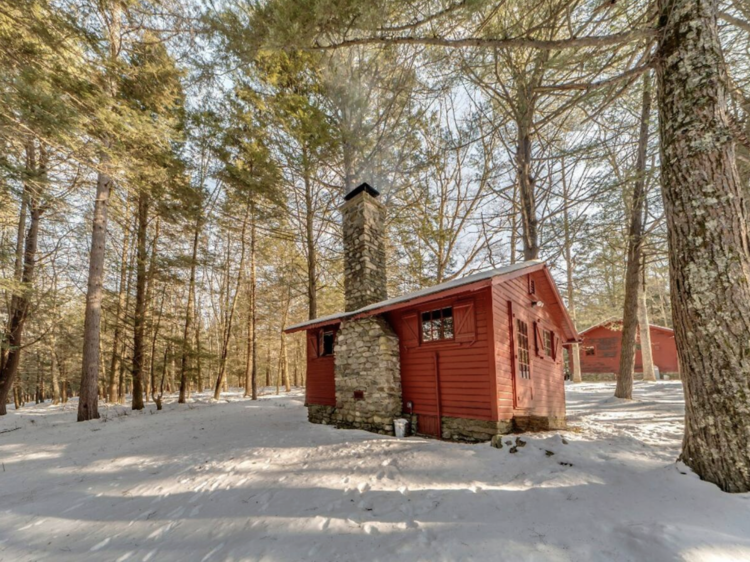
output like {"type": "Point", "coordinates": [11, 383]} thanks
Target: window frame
{"type": "Point", "coordinates": [321, 342]}
{"type": "Point", "coordinates": [548, 339]}
{"type": "Point", "coordinates": [431, 311]}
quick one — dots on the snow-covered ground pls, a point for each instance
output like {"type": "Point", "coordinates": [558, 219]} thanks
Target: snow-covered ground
{"type": "Point", "coordinates": [240, 480]}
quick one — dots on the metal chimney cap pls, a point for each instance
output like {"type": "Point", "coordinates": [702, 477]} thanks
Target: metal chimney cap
{"type": "Point", "coordinates": [359, 189]}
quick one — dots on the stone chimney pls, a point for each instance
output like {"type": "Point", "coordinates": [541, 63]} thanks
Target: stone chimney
{"type": "Point", "coordinates": [364, 249]}
{"type": "Point", "coordinates": [366, 362]}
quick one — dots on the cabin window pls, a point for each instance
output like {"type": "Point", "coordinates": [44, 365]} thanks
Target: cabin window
{"type": "Point", "coordinates": [590, 351]}
{"type": "Point", "coordinates": [548, 343]}
{"type": "Point", "coordinates": [522, 331]}
{"type": "Point", "coordinates": [326, 342]}
{"type": "Point", "coordinates": [437, 324]}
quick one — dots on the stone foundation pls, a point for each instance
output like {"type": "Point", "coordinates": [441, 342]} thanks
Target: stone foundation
{"type": "Point", "coordinates": [473, 431]}
{"type": "Point", "coordinates": [465, 430]}
{"type": "Point", "coordinates": [612, 377]}
{"type": "Point", "coordinates": [367, 374]}
{"type": "Point", "coordinates": [320, 414]}
{"type": "Point", "coordinates": [538, 423]}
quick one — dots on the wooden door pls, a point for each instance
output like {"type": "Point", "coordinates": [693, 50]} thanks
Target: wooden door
{"type": "Point", "coordinates": [522, 334]}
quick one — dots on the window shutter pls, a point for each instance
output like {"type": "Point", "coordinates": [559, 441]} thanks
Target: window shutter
{"type": "Point", "coordinates": [313, 341]}
{"type": "Point", "coordinates": [411, 329]}
{"type": "Point", "coordinates": [538, 340]}
{"type": "Point", "coordinates": [464, 322]}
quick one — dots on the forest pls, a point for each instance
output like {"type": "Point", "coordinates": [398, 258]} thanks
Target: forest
{"type": "Point", "coordinates": [171, 173]}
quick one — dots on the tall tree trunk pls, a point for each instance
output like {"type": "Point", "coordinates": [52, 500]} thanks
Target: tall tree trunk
{"type": "Point", "coordinates": [54, 372]}
{"type": "Point", "coordinates": [706, 208]}
{"type": "Point", "coordinates": [283, 360]}
{"type": "Point", "coordinates": [114, 366]}
{"type": "Point", "coordinates": [198, 358]}
{"type": "Point", "coordinates": [122, 386]}
{"type": "Point", "coordinates": [250, 382]}
{"type": "Point", "coordinates": [88, 402]}
{"type": "Point", "coordinates": [148, 323]}
{"type": "Point", "coordinates": [186, 332]}
{"type": "Point", "coordinates": [574, 350]}
{"type": "Point", "coordinates": [20, 301]}
{"type": "Point", "coordinates": [526, 184]}
{"type": "Point", "coordinates": [139, 317]}
{"type": "Point", "coordinates": [312, 259]}
{"type": "Point", "coordinates": [644, 329]}
{"type": "Point", "coordinates": [64, 382]}
{"type": "Point", "coordinates": [624, 388]}
{"type": "Point", "coordinates": [18, 267]}
{"type": "Point", "coordinates": [227, 333]}
{"type": "Point", "coordinates": [152, 358]}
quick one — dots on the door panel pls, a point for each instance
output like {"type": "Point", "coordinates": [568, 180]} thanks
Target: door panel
{"type": "Point", "coordinates": [427, 425]}
{"type": "Point", "coordinates": [522, 365]}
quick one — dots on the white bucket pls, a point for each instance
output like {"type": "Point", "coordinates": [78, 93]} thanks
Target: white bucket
{"type": "Point", "coordinates": [400, 425]}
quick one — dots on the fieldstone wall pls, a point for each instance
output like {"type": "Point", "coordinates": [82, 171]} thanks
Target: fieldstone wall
{"type": "Point", "coordinates": [538, 423]}
{"type": "Point", "coordinates": [320, 414]}
{"type": "Point", "coordinates": [473, 431]}
{"type": "Point", "coordinates": [368, 375]}
{"type": "Point", "coordinates": [363, 221]}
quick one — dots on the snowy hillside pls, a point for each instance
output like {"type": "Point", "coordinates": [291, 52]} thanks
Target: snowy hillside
{"type": "Point", "coordinates": [237, 480]}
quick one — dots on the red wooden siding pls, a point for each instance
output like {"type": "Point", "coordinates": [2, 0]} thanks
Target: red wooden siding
{"type": "Point", "coordinates": [607, 345]}
{"type": "Point", "coordinates": [320, 387]}
{"type": "Point", "coordinates": [547, 374]}
{"type": "Point", "coordinates": [464, 369]}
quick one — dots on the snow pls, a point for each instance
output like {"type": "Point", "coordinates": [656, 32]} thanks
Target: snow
{"type": "Point", "coordinates": [240, 480]}
{"type": "Point", "coordinates": [461, 281]}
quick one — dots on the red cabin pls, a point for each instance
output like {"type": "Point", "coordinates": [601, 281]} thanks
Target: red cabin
{"type": "Point", "coordinates": [601, 346]}
{"type": "Point", "coordinates": [469, 359]}
{"type": "Point", "coordinates": [478, 356]}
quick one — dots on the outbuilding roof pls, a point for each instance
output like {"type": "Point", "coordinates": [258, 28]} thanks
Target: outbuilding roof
{"type": "Point", "coordinates": [470, 282]}
{"type": "Point", "coordinates": [616, 320]}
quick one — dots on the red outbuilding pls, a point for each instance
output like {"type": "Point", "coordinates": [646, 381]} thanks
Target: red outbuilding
{"type": "Point", "coordinates": [467, 360]}
{"type": "Point", "coordinates": [601, 346]}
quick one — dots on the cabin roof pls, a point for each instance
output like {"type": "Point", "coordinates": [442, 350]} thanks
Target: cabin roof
{"type": "Point", "coordinates": [615, 320]}
{"type": "Point", "coordinates": [464, 284]}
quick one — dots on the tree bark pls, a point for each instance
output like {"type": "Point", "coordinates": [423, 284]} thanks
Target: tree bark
{"type": "Point", "coordinates": [227, 333]}
{"type": "Point", "coordinates": [624, 388]}
{"type": "Point", "coordinates": [312, 261]}
{"type": "Point", "coordinates": [250, 356]}
{"type": "Point", "coordinates": [644, 329]}
{"type": "Point", "coordinates": [53, 369]}
{"type": "Point", "coordinates": [706, 209]}
{"type": "Point", "coordinates": [20, 302]}
{"type": "Point", "coordinates": [114, 366]}
{"type": "Point", "coordinates": [575, 351]}
{"type": "Point", "coordinates": [88, 403]}
{"type": "Point", "coordinates": [186, 333]}
{"type": "Point", "coordinates": [526, 184]}
{"type": "Point", "coordinates": [139, 317]}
